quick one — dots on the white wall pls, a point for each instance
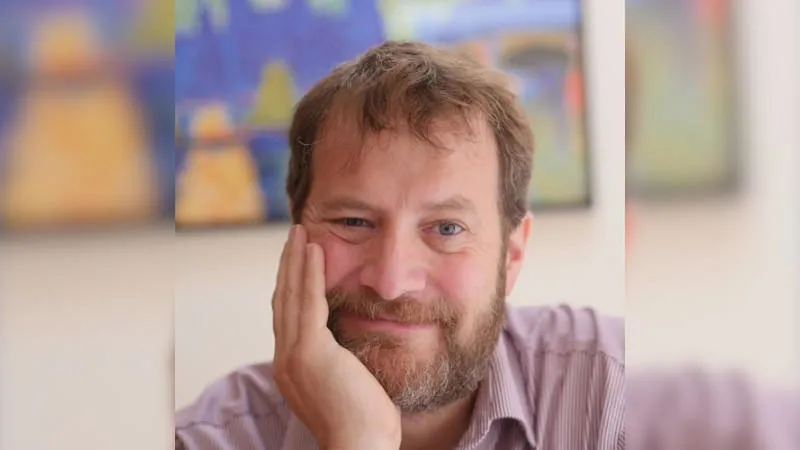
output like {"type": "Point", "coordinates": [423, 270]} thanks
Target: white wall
{"type": "Point", "coordinates": [85, 328]}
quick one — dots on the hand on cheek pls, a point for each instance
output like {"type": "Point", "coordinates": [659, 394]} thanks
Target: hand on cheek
{"type": "Point", "coordinates": [325, 385]}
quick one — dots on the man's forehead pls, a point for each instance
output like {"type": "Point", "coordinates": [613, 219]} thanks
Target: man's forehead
{"type": "Point", "coordinates": [344, 144]}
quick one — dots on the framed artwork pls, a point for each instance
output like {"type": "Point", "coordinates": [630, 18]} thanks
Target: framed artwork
{"type": "Point", "coordinates": [241, 65]}
{"type": "Point", "coordinates": [683, 134]}
{"type": "Point", "coordinates": [86, 114]}
{"type": "Point", "coordinates": [538, 44]}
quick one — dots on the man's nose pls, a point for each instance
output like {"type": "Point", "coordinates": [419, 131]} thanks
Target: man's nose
{"type": "Point", "coordinates": [394, 264]}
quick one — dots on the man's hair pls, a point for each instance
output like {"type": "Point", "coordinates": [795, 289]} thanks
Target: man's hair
{"type": "Point", "coordinates": [411, 85]}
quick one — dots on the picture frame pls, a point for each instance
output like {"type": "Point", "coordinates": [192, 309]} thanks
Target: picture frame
{"type": "Point", "coordinates": [684, 138]}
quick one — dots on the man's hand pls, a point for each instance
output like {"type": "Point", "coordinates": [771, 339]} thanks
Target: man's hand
{"type": "Point", "coordinates": [325, 385]}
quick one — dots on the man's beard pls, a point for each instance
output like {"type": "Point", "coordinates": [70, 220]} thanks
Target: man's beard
{"type": "Point", "coordinates": [415, 386]}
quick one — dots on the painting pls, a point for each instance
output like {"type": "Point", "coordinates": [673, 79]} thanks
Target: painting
{"type": "Point", "coordinates": [683, 138]}
{"type": "Point", "coordinates": [86, 114]}
{"type": "Point", "coordinates": [241, 65]}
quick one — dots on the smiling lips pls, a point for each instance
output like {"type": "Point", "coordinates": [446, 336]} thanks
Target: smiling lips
{"type": "Point", "coordinates": [385, 323]}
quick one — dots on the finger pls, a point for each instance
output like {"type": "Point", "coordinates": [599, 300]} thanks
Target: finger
{"type": "Point", "coordinates": [277, 303]}
{"type": "Point", "coordinates": [293, 289]}
{"type": "Point", "coordinates": [314, 306]}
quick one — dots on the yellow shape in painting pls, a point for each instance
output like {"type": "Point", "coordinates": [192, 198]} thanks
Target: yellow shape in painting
{"type": "Point", "coordinates": [219, 184]}
{"type": "Point", "coordinates": [274, 98]}
{"type": "Point", "coordinates": [77, 155]}
{"type": "Point", "coordinates": [65, 43]}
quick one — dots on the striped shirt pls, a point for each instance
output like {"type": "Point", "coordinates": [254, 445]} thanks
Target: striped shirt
{"type": "Point", "coordinates": [556, 381]}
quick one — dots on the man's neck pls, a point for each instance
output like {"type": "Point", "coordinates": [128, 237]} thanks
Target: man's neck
{"type": "Point", "coordinates": [442, 428]}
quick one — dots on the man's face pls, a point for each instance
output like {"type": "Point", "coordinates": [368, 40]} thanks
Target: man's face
{"type": "Point", "coordinates": [415, 260]}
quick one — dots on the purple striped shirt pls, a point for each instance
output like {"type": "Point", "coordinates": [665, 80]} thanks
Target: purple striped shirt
{"type": "Point", "coordinates": [556, 381]}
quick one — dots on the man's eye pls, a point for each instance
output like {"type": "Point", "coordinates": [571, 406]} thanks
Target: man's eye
{"type": "Point", "coordinates": [354, 222]}
{"type": "Point", "coordinates": [449, 228]}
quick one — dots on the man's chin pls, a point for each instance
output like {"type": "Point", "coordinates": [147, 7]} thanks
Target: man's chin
{"type": "Point", "coordinates": [403, 374]}
{"type": "Point", "coordinates": [394, 356]}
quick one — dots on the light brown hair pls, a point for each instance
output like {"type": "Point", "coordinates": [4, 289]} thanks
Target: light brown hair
{"type": "Point", "coordinates": [411, 85]}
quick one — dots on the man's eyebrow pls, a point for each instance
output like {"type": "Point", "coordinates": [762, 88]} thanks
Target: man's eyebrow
{"type": "Point", "coordinates": [455, 203]}
{"type": "Point", "coordinates": [348, 203]}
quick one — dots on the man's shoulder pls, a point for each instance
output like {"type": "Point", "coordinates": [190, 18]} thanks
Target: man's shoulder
{"type": "Point", "coordinates": [565, 330]}
{"type": "Point", "coordinates": [244, 401]}
{"type": "Point", "coordinates": [571, 361]}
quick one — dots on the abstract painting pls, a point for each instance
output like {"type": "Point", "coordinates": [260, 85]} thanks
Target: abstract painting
{"type": "Point", "coordinates": [86, 114]}
{"type": "Point", "coordinates": [241, 65]}
{"type": "Point", "coordinates": [681, 104]}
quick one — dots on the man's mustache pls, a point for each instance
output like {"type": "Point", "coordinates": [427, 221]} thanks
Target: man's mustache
{"type": "Point", "coordinates": [403, 310]}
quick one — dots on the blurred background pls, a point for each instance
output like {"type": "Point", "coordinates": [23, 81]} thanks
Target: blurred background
{"type": "Point", "coordinates": [118, 116]}
{"type": "Point", "coordinates": [87, 152]}
{"type": "Point", "coordinates": [684, 99]}
{"type": "Point", "coordinates": [713, 298]}
{"type": "Point", "coordinates": [712, 268]}
{"type": "Point", "coordinates": [86, 114]}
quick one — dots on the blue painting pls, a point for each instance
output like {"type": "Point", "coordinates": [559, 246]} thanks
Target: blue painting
{"type": "Point", "coordinates": [241, 65]}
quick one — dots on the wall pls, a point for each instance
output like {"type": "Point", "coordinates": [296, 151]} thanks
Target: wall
{"type": "Point", "coordinates": [85, 327]}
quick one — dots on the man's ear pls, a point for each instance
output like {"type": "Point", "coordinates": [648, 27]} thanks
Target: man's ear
{"type": "Point", "coordinates": [515, 253]}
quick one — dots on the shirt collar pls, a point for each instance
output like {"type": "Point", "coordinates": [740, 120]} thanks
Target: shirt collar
{"type": "Point", "coordinates": [502, 395]}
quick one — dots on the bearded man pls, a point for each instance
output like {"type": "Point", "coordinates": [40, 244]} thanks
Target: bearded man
{"type": "Point", "coordinates": [408, 186]}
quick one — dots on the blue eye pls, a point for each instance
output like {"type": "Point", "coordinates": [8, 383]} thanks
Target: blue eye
{"type": "Point", "coordinates": [449, 228]}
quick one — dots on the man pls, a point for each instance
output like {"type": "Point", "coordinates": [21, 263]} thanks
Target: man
{"type": "Point", "coordinates": [408, 184]}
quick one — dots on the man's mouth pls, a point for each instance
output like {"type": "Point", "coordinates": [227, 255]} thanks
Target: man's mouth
{"type": "Point", "coordinates": [382, 323]}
